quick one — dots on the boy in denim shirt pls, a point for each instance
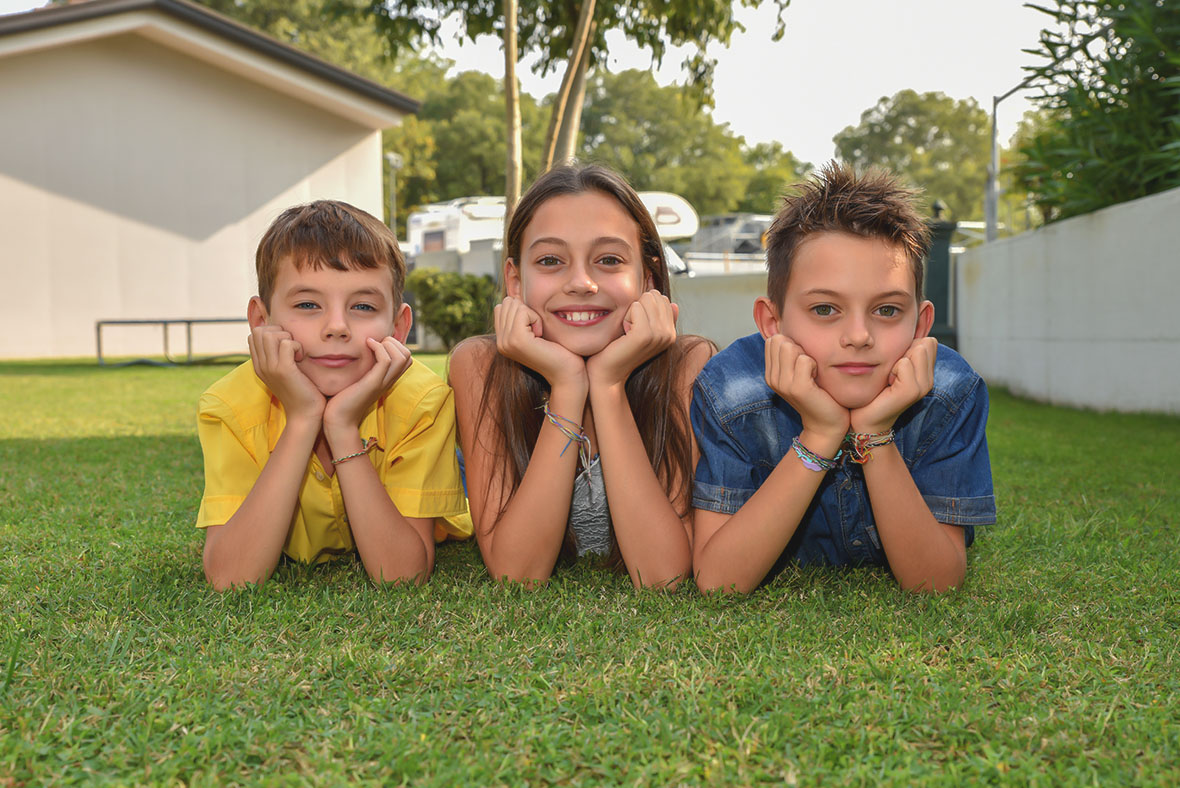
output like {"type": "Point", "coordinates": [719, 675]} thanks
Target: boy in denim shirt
{"type": "Point", "coordinates": [841, 433]}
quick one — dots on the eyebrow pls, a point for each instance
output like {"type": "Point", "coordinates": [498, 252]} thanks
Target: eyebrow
{"type": "Point", "coordinates": [600, 241]}
{"type": "Point", "coordinates": [364, 291]}
{"type": "Point", "coordinates": [834, 294]}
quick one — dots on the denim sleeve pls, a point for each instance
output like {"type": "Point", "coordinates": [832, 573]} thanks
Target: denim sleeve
{"type": "Point", "coordinates": [725, 475]}
{"type": "Point", "coordinates": [952, 470]}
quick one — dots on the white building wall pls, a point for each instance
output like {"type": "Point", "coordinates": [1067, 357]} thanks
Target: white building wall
{"type": "Point", "coordinates": [1082, 312]}
{"type": "Point", "coordinates": [135, 182]}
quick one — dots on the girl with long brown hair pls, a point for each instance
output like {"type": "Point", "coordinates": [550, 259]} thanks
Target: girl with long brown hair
{"type": "Point", "coordinates": [573, 416]}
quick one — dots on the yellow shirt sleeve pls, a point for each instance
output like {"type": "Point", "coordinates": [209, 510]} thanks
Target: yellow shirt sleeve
{"type": "Point", "coordinates": [231, 463]}
{"type": "Point", "coordinates": [421, 472]}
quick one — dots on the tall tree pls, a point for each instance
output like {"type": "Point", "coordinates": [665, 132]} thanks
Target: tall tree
{"type": "Point", "coordinates": [571, 35]}
{"type": "Point", "coordinates": [513, 163]}
{"type": "Point", "coordinates": [938, 143]}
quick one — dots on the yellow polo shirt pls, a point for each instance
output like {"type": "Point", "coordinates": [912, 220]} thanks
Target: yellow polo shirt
{"type": "Point", "coordinates": [239, 422]}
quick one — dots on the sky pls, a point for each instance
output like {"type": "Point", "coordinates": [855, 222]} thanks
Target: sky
{"type": "Point", "coordinates": [837, 59]}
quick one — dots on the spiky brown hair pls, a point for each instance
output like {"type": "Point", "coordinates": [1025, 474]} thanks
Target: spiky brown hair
{"type": "Point", "coordinates": [873, 204]}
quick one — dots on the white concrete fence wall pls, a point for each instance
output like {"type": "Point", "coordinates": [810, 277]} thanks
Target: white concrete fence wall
{"type": "Point", "coordinates": [718, 307]}
{"type": "Point", "coordinates": [1084, 312]}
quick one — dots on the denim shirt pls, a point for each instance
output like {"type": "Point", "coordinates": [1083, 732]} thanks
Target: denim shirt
{"type": "Point", "coordinates": [743, 429]}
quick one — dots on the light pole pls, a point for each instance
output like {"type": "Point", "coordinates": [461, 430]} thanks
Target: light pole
{"type": "Point", "coordinates": [395, 162]}
{"type": "Point", "coordinates": [991, 203]}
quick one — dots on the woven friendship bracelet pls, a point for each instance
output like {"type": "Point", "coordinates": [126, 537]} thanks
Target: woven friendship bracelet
{"type": "Point", "coordinates": [860, 445]}
{"type": "Point", "coordinates": [367, 447]}
{"type": "Point", "coordinates": [812, 460]}
{"type": "Point", "coordinates": [573, 433]}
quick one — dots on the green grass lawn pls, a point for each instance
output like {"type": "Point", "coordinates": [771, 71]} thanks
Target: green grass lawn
{"type": "Point", "coordinates": [1056, 663]}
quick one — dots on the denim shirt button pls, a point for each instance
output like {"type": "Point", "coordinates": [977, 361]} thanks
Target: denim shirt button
{"type": "Point", "coordinates": [856, 543]}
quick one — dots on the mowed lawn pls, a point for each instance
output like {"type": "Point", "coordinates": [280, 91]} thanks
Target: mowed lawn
{"type": "Point", "coordinates": [1056, 663]}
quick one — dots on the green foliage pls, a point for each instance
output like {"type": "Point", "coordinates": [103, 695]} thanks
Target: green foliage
{"type": "Point", "coordinates": [938, 143]}
{"type": "Point", "coordinates": [774, 170]}
{"type": "Point", "coordinates": [466, 118]}
{"type": "Point", "coordinates": [452, 305]}
{"type": "Point", "coordinates": [1111, 82]}
{"type": "Point", "coordinates": [1056, 664]}
{"type": "Point", "coordinates": [662, 140]}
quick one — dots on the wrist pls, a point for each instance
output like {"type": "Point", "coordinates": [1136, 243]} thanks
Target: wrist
{"type": "Point", "coordinates": [570, 392]}
{"type": "Point", "coordinates": [870, 425]}
{"type": "Point", "coordinates": [825, 443]}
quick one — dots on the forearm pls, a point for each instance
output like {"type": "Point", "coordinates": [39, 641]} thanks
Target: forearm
{"type": "Point", "coordinates": [921, 552]}
{"type": "Point", "coordinates": [651, 535]}
{"type": "Point", "coordinates": [247, 548]}
{"type": "Point", "coordinates": [739, 554]}
{"type": "Point", "coordinates": [391, 549]}
{"type": "Point", "coordinates": [523, 543]}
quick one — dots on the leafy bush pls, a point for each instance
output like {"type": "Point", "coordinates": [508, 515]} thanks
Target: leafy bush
{"type": "Point", "coordinates": [452, 305]}
{"type": "Point", "coordinates": [1111, 85]}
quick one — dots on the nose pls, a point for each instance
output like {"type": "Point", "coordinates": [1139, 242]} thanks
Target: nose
{"type": "Point", "coordinates": [336, 323]}
{"type": "Point", "coordinates": [856, 333]}
{"type": "Point", "coordinates": [580, 279]}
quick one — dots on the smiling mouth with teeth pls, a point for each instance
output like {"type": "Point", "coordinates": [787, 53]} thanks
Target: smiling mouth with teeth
{"type": "Point", "coordinates": [581, 317]}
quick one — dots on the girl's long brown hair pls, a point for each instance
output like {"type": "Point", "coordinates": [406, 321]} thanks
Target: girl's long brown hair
{"type": "Point", "coordinates": [513, 394]}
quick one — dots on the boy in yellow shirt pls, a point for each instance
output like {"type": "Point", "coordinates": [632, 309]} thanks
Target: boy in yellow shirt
{"type": "Point", "coordinates": [332, 438]}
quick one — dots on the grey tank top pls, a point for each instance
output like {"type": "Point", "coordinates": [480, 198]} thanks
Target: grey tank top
{"type": "Point", "coordinates": [589, 513]}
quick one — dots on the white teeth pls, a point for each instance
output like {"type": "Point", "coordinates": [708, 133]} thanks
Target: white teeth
{"type": "Point", "coordinates": [581, 317]}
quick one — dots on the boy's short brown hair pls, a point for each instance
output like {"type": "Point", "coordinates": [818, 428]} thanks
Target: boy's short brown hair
{"type": "Point", "coordinates": [872, 205]}
{"type": "Point", "coordinates": [328, 234]}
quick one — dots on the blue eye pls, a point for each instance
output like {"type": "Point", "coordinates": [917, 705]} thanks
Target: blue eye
{"type": "Point", "coordinates": [365, 307]}
{"type": "Point", "coordinates": [307, 305]}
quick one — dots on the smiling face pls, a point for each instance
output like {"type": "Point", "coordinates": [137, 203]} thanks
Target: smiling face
{"type": "Point", "coordinates": [331, 313]}
{"type": "Point", "coordinates": [580, 269]}
{"type": "Point", "coordinates": [850, 305]}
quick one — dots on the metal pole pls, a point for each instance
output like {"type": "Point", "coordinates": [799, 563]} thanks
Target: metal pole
{"type": "Point", "coordinates": [395, 163]}
{"type": "Point", "coordinates": [991, 204]}
{"type": "Point", "coordinates": [991, 208]}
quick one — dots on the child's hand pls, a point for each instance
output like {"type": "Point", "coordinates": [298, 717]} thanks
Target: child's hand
{"type": "Point", "coordinates": [791, 374]}
{"type": "Point", "coordinates": [518, 337]}
{"type": "Point", "coordinates": [275, 355]}
{"type": "Point", "coordinates": [911, 379]}
{"type": "Point", "coordinates": [345, 410]}
{"type": "Point", "coordinates": [649, 328]}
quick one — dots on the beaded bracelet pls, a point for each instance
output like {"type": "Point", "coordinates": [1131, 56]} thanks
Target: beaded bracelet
{"type": "Point", "coordinates": [812, 460]}
{"type": "Point", "coordinates": [861, 444]}
{"type": "Point", "coordinates": [366, 447]}
{"type": "Point", "coordinates": [573, 433]}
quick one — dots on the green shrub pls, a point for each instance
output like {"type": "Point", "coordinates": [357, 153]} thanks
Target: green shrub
{"type": "Point", "coordinates": [1110, 85]}
{"type": "Point", "coordinates": [452, 305]}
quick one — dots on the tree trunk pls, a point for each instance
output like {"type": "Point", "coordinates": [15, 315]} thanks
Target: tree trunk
{"type": "Point", "coordinates": [571, 120]}
{"type": "Point", "coordinates": [581, 44]}
{"type": "Point", "coordinates": [512, 167]}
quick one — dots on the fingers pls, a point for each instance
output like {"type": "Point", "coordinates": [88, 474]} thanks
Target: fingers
{"type": "Point", "coordinates": [652, 319]}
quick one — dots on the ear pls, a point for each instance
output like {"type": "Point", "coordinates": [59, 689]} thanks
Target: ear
{"type": "Point", "coordinates": [512, 284]}
{"type": "Point", "coordinates": [256, 313]}
{"type": "Point", "coordinates": [766, 317]}
{"type": "Point", "coordinates": [925, 320]}
{"type": "Point", "coordinates": [402, 323]}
